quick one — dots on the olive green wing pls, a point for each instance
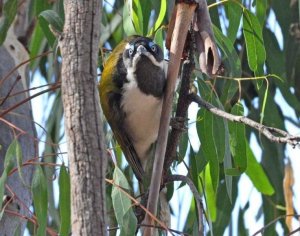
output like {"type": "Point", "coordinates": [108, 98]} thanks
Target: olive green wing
{"type": "Point", "coordinates": [110, 103]}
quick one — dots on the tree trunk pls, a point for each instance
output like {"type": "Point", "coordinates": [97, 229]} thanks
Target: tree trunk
{"type": "Point", "coordinates": [83, 126]}
{"type": "Point", "coordinates": [12, 52]}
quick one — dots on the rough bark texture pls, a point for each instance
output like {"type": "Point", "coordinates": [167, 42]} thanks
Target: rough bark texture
{"type": "Point", "coordinates": [87, 157]}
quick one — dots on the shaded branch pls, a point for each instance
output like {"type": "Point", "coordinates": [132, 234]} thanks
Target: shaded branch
{"type": "Point", "coordinates": [184, 14]}
{"type": "Point", "coordinates": [271, 133]}
{"type": "Point", "coordinates": [182, 105]}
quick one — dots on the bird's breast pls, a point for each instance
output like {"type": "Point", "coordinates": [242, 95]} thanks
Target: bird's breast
{"type": "Point", "coordinates": [142, 117]}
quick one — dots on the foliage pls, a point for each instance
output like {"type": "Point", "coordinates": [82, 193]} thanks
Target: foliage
{"type": "Point", "coordinates": [251, 50]}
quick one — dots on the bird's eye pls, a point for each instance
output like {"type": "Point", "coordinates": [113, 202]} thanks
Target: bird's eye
{"type": "Point", "coordinates": [130, 51]}
{"type": "Point", "coordinates": [153, 48]}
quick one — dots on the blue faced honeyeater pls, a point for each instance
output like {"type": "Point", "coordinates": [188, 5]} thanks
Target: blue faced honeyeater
{"type": "Point", "coordinates": [131, 93]}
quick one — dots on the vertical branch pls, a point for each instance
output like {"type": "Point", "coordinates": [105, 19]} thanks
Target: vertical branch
{"type": "Point", "coordinates": [184, 15]}
{"type": "Point", "coordinates": [183, 102]}
{"type": "Point", "coordinates": [87, 157]}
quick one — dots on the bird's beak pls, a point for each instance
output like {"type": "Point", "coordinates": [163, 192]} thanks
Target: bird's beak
{"type": "Point", "coordinates": [141, 49]}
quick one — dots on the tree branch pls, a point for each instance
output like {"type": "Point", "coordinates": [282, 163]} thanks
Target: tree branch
{"type": "Point", "coordinates": [172, 178]}
{"type": "Point", "coordinates": [184, 14]}
{"type": "Point", "coordinates": [273, 134]}
{"type": "Point", "coordinates": [182, 105]}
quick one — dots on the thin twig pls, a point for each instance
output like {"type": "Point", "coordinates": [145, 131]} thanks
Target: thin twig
{"type": "Point", "coordinates": [151, 226]}
{"type": "Point", "coordinates": [273, 134]}
{"type": "Point", "coordinates": [10, 90]}
{"type": "Point", "coordinates": [137, 203]}
{"type": "Point", "coordinates": [28, 99]}
{"type": "Point", "coordinates": [189, 182]}
{"type": "Point", "coordinates": [294, 231]}
{"type": "Point", "coordinates": [272, 222]}
{"type": "Point", "coordinates": [21, 64]}
{"type": "Point", "coordinates": [30, 89]}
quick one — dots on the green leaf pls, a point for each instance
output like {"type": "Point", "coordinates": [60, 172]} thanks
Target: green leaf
{"type": "Point", "coordinates": [210, 193]}
{"type": "Point", "coordinates": [36, 45]}
{"type": "Point", "coordinates": [137, 16]}
{"type": "Point", "coordinates": [9, 11]}
{"type": "Point", "coordinates": [159, 39]}
{"type": "Point", "coordinates": [238, 142]}
{"type": "Point", "coordinates": [257, 174]}
{"type": "Point", "coordinates": [121, 202]}
{"type": "Point", "coordinates": [64, 202]}
{"type": "Point", "coordinates": [47, 19]}
{"type": "Point", "coordinates": [205, 132]}
{"type": "Point", "coordinates": [108, 29]}
{"type": "Point", "coordinates": [40, 6]}
{"type": "Point", "coordinates": [227, 161]}
{"type": "Point", "coordinates": [261, 8]}
{"type": "Point", "coordinates": [129, 223]}
{"type": "Point", "coordinates": [53, 19]}
{"type": "Point", "coordinates": [12, 152]}
{"type": "Point", "coordinates": [183, 145]}
{"type": "Point", "coordinates": [161, 16]}
{"type": "Point", "coordinates": [40, 199]}
{"type": "Point", "coordinates": [230, 58]}
{"type": "Point", "coordinates": [146, 11]}
{"type": "Point", "coordinates": [127, 22]}
{"type": "Point", "coordinates": [3, 179]}
{"type": "Point", "coordinates": [228, 92]}
{"type": "Point", "coordinates": [252, 30]}
{"type": "Point", "coordinates": [47, 32]}
{"type": "Point", "coordinates": [234, 14]}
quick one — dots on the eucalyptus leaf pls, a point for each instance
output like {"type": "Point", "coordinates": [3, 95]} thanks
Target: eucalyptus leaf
{"type": "Point", "coordinates": [40, 199]}
{"type": "Point", "coordinates": [256, 52]}
{"type": "Point", "coordinates": [8, 13]}
{"type": "Point", "coordinates": [121, 202]}
{"type": "Point", "coordinates": [64, 202]}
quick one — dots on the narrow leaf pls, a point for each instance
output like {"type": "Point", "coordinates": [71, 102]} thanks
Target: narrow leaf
{"type": "Point", "coordinates": [252, 30]}
{"type": "Point", "coordinates": [64, 202]}
{"type": "Point", "coordinates": [3, 179]}
{"type": "Point", "coordinates": [230, 57]}
{"type": "Point", "coordinates": [48, 34]}
{"type": "Point", "coordinates": [9, 11]}
{"type": "Point", "coordinates": [129, 223]}
{"type": "Point", "coordinates": [127, 22]}
{"type": "Point", "coordinates": [261, 8]}
{"type": "Point", "coordinates": [19, 157]}
{"type": "Point", "coordinates": [208, 145]}
{"type": "Point", "coordinates": [161, 16]}
{"type": "Point", "coordinates": [137, 16]}
{"type": "Point", "coordinates": [257, 174]}
{"type": "Point", "coordinates": [10, 155]}
{"type": "Point", "coordinates": [234, 14]}
{"type": "Point", "coordinates": [210, 194]}
{"type": "Point", "coordinates": [53, 19]}
{"type": "Point", "coordinates": [121, 202]}
{"type": "Point", "coordinates": [40, 199]}
{"type": "Point", "coordinates": [36, 45]}
{"type": "Point", "coordinates": [238, 141]}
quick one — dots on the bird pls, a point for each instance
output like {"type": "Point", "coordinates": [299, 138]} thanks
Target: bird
{"type": "Point", "coordinates": [131, 89]}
